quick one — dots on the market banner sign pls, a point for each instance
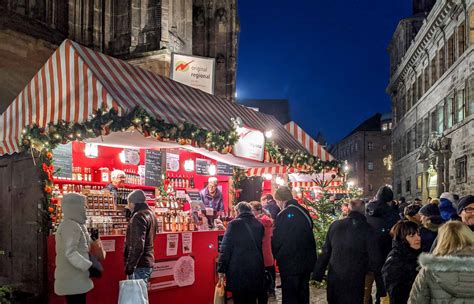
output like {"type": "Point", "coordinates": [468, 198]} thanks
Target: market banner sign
{"type": "Point", "coordinates": [193, 71]}
{"type": "Point", "coordinates": [251, 144]}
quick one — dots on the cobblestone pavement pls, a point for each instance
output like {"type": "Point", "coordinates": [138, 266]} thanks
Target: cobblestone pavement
{"type": "Point", "coordinates": [317, 296]}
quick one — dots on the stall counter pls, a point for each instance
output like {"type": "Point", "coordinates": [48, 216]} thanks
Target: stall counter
{"type": "Point", "coordinates": [106, 289]}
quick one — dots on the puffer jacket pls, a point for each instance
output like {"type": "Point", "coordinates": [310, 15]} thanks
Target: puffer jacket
{"type": "Point", "coordinates": [139, 240]}
{"type": "Point", "coordinates": [71, 275]}
{"type": "Point", "coordinates": [444, 279]}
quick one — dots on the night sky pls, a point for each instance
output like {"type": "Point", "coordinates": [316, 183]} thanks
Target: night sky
{"type": "Point", "coordinates": [327, 57]}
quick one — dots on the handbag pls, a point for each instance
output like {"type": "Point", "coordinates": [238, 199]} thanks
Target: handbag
{"type": "Point", "coordinates": [96, 269]}
{"type": "Point", "coordinates": [219, 292]}
{"type": "Point", "coordinates": [133, 292]}
{"type": "Point", "coordinates": [96, 253]}
{"type": "Point", "coordinates": [97, 249]}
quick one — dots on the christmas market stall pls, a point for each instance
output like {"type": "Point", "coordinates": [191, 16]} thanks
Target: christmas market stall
{"type": "Point", "coordinates": [86, 119]}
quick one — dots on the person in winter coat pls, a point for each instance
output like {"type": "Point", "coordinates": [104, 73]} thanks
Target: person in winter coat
{"type": "Point", "coordinates": [446, 276]}
{"type": "Point", "coordinates": [241, 258]}
{"type": "Point", "coordinates": [293, 247]}
{"type": "Point", "coordinates": [270, 205]}
{"type": "Point", "coordinates": [269, 262]}
{"type": "Point", "coordinates": [71, 276]}
{"type": "Point", "coordinates": [466, 210]}
{"type": "Point", "coordinates": [431, 220]}
{"type": "Point", "coordinates": [349, 252]}
{"type": "Point", "coordinates": [446, 207]}
{"type": "Point", "coordinates": [411, 213]}
{"type": "Point", "coordinates": [381, 217]}
{"type": "Point", "coordinates": [400, 268]}
{"type": "Point", "coordinates": [139, 241]}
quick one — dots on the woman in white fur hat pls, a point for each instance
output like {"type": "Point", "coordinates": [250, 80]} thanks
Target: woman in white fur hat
{"type": "Point", "coordinates": [71, 277]}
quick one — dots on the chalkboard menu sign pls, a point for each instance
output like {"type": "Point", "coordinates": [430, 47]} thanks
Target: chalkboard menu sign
{"type": "Point", "coordinates": [202, 166]}
{"type": "Point", "coordinates": [224, 169]}
{"type": "Point", "coordinates": [194, 195]}
{"type": "Point", "coordinates": [63, 160]}
{"type": "Point", "coordinates": [153, 161]}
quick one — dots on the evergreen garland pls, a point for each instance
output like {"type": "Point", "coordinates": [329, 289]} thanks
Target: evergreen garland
{"type": "Point", "coordinates": [301, 160]}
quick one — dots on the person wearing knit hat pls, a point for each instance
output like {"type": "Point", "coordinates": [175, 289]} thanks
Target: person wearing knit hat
{"type": "Point", "coordinates": [411, 213]}
{"type": "Point", "coordinates": [283, 195]}
{"type": "Point", "coordinates": [466, 210]}
{"type": "Point", "coordinates": [139, 240]}
{"type": "Point", "coordinates": [293, 247]}
{"type": "Point", "coordinates": [431, 220]}
{"type": "Point", "coordinates": [446, 208]}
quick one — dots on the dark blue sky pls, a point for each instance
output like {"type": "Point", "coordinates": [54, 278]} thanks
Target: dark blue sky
{"type": "Point", "coordinates": [327, 57]}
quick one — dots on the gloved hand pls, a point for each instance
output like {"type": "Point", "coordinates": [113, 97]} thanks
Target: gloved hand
{"type": "Point", "coordinates": [128, 271]}
{"type": "Point", "coordinates": [94, 272]}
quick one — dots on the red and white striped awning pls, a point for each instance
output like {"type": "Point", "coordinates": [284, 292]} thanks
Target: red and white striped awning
{"type": "Point", "coordinates": [75, 81]}
{"type": "Point", "coordinates": [332, 184]}
{"type": "Point", "coordinates": [308, 142]}
{"type": "Point", "coordinates": [276, 170]}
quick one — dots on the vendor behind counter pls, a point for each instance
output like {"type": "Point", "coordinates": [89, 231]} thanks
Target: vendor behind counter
{"type": "Point", "coordinates": [213, 200]}
{"type": "Point", "coordinates": [118, 181]}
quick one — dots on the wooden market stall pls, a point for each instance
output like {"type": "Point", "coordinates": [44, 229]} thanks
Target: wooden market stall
{"type": "Point", "coordinates": [81, 98]}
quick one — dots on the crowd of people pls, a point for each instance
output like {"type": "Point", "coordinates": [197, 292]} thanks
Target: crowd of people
{"type": "Point", "coordinates": [381, 251]}
{"type": "Point", "coordinates": [413, 252]}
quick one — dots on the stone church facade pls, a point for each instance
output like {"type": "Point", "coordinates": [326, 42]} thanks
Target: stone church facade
{"type": "Point", "coordinates": [142, 32]}
{"type": "Point", "coordinates": [432, 92]}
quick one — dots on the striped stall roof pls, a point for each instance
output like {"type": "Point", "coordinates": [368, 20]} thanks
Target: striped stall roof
{"type": "Point", "coordinates": [75, 81]}
{"type": "Point", "coordinates": [278, 170]}
{"type": "Point", "coordinates": [308, 142]}
{"type": "Point", "coordinates": [332, 184]}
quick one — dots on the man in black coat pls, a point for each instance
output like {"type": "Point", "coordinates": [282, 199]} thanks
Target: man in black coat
{"type": "Point", "coordinates": [349, 252]}
{"type": "Point", "coordinates": [241, 258]}
{"type": "Point", "coordinates": [294, 247]}
{"type": "Point", "coordinates": [381, 217]}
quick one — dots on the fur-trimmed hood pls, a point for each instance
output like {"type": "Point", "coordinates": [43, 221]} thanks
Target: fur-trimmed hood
{"type": "Point", "coordinates": [453, 273]}
{"type": "Point", "coordinates": [448, 263]}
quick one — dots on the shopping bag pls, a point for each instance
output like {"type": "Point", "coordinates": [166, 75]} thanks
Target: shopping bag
{"type": "Point", "coordinates": [133, 292]}
{"type": "Point", "coordinates": [97, 249]}
{"type": "Point", "coordinates": [219, 292]}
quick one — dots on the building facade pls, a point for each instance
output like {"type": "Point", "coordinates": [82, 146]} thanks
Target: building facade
{"type": "Point", "coordinates": [367, 150]}
{"type": "Point", "coordinates": [432, 91]}
{"type": "Point", "coordinates": [142, 32]}
{"type": "Point", "coordinates": [279, 108]}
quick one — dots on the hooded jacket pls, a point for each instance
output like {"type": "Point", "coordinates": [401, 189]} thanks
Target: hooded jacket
{"type": "Point", "coordinates": [382, 218]}
{"type": "Point", "coordinates": [399, 271]}
{"type": "Point", "coordinates": [71, 275]}
{"type": "Point", "coordinates": [139, 241]}
{"type": "Point", "coordinates": [448, 212]}
{"type": "Point", "coordinates": [444, 279]}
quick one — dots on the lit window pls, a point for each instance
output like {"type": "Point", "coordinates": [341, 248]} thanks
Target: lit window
{"type": "Point", "coordinates": [370, 166]}
{"type": "Point", "coordinates": [384, 127]}
{"type": "Point", "coordinates": [370, 146]}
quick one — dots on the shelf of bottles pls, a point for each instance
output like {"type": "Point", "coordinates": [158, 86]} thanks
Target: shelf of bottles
{"type": "Point", "coordinates": [178, 181]}
{"type": "Point", "coordinates": [103, 212]}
